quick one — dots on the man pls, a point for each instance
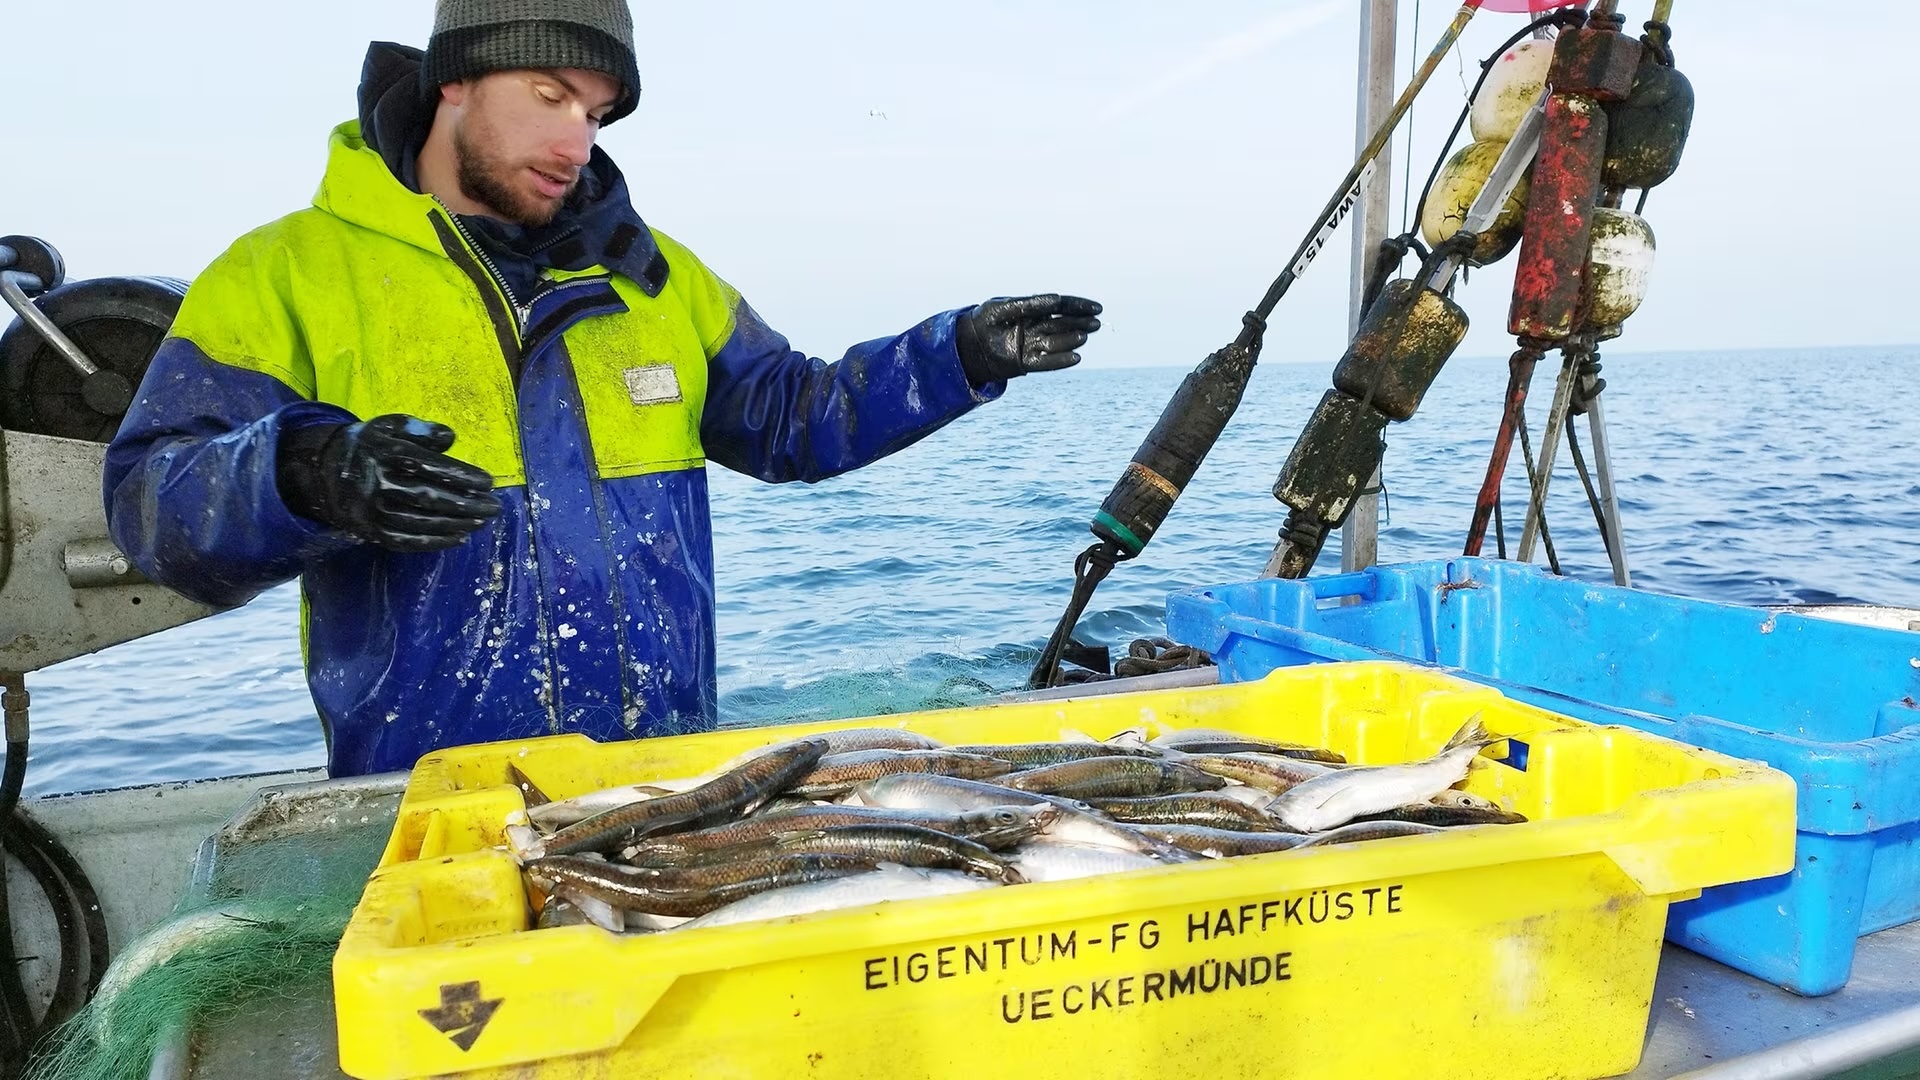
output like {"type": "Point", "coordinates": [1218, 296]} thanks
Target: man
{"type": "Point", "coordinates": [468, 397]}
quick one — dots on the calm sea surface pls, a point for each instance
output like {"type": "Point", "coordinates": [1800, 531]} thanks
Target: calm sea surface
{"type": "Point", "coordinates": [1784, 477]}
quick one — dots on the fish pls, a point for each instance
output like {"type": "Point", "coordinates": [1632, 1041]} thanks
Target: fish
{"type": "Point", "coordinates": [1268, 772]}
{"type": "Point", "coordinates": [907, 845]}
{"type": "Point", "coordinates": [1045, 860]}
{"type": "Point", "coordinates": [558, 913]}
{"type": "Point", "coordinates": [689, 891]}
{"type": "Point", "coordinates": [1222, 843]}
{"type": "Point", "coordinates": [994, 827]}
{"type": "Point", "coordinates": [733, 793]}
{"type": "Point", "coordinates": [1258, 798]}
{"type": "Point", "coordinates": [836, 773]}
{"type": "Point", "coordinates": [886, 883]}
{"type": "Point", "coordinates": [565, 812]}
{"type": "Point", "coordinates": [948, 794]}
{"type": "Point", "coordinates": [570, 907]}
{"type": "Point", "coordinates": [1324, 802]}
{"type": "Point", "coordinates": [523, 843]}
{"type": "Point", "coordinates": [1113, 777]}
{"type": "Point", "coordinates": [849, 741]}
{"type": "Point", "coordinates": [1446, 816]}
{"type": "Point", "coordinates": [1077, 822]}
{"type": "Point", "coordinates": [1215, 741]}
{"type": "Point", "coordinates": [1368, 830]}
{"type": "Point", "coordinates": [528, 789]}
{"type": "Point", "coordinates": [560, 813]}
{"type": "Point", "coordinates": [1035, 755]}
{"type": "Point", "coordinates": [1456, 797]}
{"type": "Point", "coordinates": [1212, 809]}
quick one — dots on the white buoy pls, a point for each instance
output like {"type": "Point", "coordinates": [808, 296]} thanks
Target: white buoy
{"type": "Point", "coordinates": [1458, 185]}
{"type": "Point", "coordinates": [1619, 263]}
{"type": "Point", "coordinates": [1513, 85]}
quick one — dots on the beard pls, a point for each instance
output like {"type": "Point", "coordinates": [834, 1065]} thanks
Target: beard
{"type": "Point", "coordinates": [490, 181]}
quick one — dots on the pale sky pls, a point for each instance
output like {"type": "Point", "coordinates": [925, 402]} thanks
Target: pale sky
{"type": "Point", "coordinates": [853, 165]}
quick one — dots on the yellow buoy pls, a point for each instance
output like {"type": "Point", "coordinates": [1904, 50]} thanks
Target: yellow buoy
{"type": "Point", "coordinates": [1618, 265]}
{"type": "Point", "coordinates": [1513, 85]}
{"type": "Point", "coordinates": [1459, 183]}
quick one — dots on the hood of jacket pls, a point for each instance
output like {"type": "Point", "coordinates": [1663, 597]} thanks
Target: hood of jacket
{"type": "Point", "coordinates": [597, 224]}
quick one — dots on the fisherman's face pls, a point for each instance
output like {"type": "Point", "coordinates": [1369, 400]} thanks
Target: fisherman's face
{"type": "Point", "coordinates": [521, 137]}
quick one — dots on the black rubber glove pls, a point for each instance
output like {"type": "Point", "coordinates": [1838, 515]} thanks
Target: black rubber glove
{"type": "Point", "coordinates": [386, 480]}
{"type": "Point", "coordinates": [1004, 338]}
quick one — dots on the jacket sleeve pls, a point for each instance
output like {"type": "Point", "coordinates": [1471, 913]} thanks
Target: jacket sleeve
{"type": "Point", "coordinates": [190, 487]}
{"type": "Point", "coordinates": [780, 415]}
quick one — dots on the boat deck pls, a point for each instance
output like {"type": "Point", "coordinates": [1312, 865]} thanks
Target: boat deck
{"type": "Point", "coordinates": [1707, 1020]}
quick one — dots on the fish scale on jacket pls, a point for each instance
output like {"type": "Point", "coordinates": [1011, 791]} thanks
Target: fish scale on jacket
{"type": "Point", "coordinates": [587, 605]}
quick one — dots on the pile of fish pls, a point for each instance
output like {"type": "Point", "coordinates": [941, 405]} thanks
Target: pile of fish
{"type": "Point", "coordinates": [864, 815]}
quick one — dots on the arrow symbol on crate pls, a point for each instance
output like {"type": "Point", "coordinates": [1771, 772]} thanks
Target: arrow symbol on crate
{"type": "Point", "coordinates": [461, 1015]}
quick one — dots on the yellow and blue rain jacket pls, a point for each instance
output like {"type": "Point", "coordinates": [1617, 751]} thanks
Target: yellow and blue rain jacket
{"type": "Point", "coordinates": [588, 604]}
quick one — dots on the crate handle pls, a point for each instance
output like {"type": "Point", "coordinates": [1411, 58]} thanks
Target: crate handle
{"type": "Point", "coordinates": [1361, 584]}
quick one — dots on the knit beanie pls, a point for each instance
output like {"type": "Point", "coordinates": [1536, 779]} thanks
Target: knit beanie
{"type": "Point", "coordinates": [474, 37]}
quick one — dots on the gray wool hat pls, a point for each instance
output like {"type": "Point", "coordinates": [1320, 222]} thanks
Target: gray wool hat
{"type": "Point", "coordinates": [474, 37]}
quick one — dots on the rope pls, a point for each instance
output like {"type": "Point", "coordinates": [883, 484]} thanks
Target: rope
{"type": "Point", "coordinates": [1560, 18]}
{"type": "Point", "coordinates": [1593, 495]}
{"type": "Point", "coordinates": [1546, 538]}
{"type": "Point", "coordinates": [1090, 568]}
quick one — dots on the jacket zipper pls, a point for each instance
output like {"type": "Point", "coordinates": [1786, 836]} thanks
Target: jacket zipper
{"type": "Point", "coordinates": [521, 312]}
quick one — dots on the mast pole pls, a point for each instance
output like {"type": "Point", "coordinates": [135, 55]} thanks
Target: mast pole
{"type": "Point", "coordinates": [1379, 21]}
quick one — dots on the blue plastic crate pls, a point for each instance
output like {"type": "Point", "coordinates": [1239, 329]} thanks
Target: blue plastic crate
{"type": "Point", "coordinates": [1831, 704]}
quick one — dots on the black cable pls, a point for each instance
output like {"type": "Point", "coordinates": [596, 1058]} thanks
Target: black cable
{"type": "Point", "coordinates": [70, 986]}
{"type": "Point", "coordinates": [1593, 495]}
{"type": "Point", "coordinates": [1090, 568]}
{"type": "Point", "coordinates": [1546, 538]}
{"type": "Point", "coordinates": [1499, 531]}
{"type": "Point", "coordinates": [1562, 17]}
{"type": "Point", "coordinates": [80, 923]}
{"type": "Point", "coordinates": [18, 1029]}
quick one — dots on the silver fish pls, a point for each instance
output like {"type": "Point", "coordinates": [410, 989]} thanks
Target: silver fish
{"type": "Point", "coordinates": [1338, 797]}
{"type": "Point", "coordinates": [907, 845]}
{"type": "Point", "coordinates": [851, 740]}
{"type": "Point", "coordinates": [1268, 772]}
{"type": "Point", "coordinates": [1078, 823]}
{"type": "Point", "coordinates": [1045, 860]}
{"type": "Point", "coordinates": [1215, 741]}
{"type": "Point", "coordinates": [561, 813]}
{"type": "Point", "coordinates": [1453, 815]}
{"type": "Point", "coordinates": [1114, 778]}
{"type": "Point", "coordinates": [996, 827]}
{"type": "Point", "coordinates": [837, 773]}
{"type": "Point", "coordinates": [1222, 843]}
{"type": "Point", "coordinates": [887, 883]}
{"type": "Point", "coordinates": [1456, 797]}
{"type": "Point", "coordinates": [1368, 830]}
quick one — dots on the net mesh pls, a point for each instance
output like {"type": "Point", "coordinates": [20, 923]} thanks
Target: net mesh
{"type": "Point", "coordinates": [263, 925]}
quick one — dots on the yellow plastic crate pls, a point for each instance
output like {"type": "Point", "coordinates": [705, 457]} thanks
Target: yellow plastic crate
{"type": "Point", "coordinates": [1509, 951]}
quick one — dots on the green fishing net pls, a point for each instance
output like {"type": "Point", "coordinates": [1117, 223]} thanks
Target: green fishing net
{"type": "Point", "coordinates": [262, 925]}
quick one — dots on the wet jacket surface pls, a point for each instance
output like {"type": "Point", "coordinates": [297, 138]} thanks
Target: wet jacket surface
{"type": "Point", "coordinates": [596, 403]}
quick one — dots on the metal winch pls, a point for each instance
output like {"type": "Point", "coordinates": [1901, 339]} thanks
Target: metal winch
{"type": "Point", "coordinates": [69, 366]}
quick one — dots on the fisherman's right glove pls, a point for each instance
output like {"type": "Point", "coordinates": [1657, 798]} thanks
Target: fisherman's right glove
{"type": "Point", "coordinates": [387, 481]}
{"type": "Point", "coordinates": [1004, 338]}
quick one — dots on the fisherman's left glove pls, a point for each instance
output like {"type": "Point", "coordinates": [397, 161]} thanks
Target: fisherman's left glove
{"type": "Point", "coordinates": [387, 480]}
{"type": "Point", "coordinates": [1003, 338]}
